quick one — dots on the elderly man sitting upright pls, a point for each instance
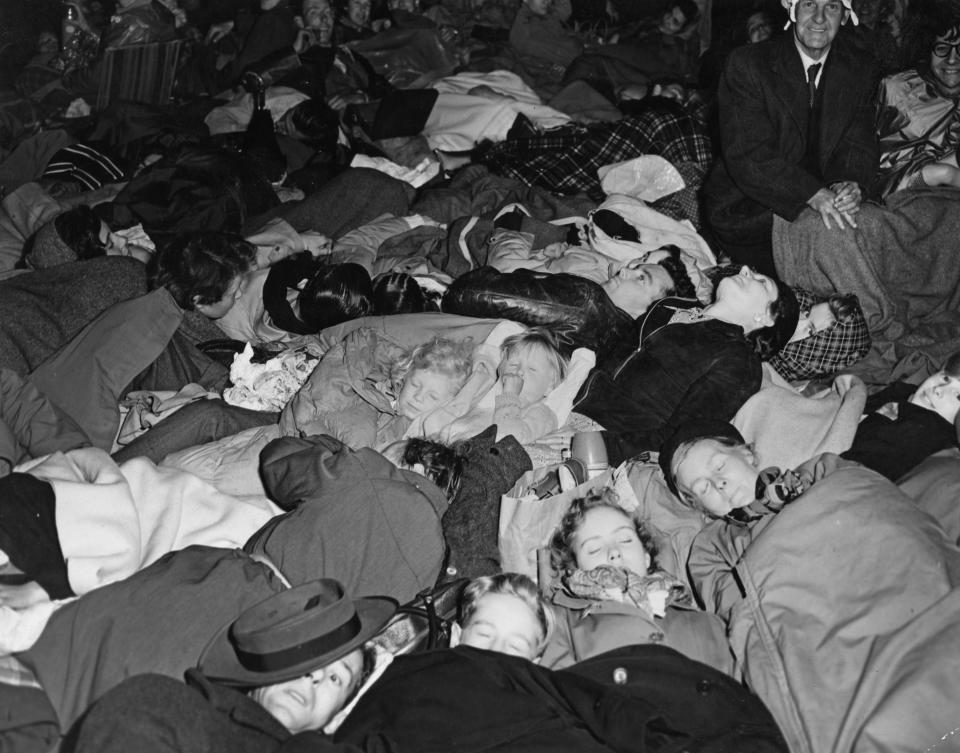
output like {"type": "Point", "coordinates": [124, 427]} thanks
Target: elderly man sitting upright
{"type": "Point", "coordinates": [797, 131]}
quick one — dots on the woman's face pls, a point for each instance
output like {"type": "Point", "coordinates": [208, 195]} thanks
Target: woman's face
{"type": "Point", "coordinates": [318, 16]}
{"type": "Point", "coordinates": [750, 294]}
{"type": "Point", "coordinates": [608, 536]}
{"type": "Point", "coordinates": [717, 478]}
{"type": "Point", "coordinates": [219, 309]}
{"type": "Point", "coordinates": [759, 27]}
{"type": "Point", "coordinates": [945, 62]}
{"type": "Point", "coordinates": [673, 20]}
{"type": "Point", "coordinates": [941, 394]}
{"type": "Point", "coordinates": [310, 702]}
{"type": "Point", "coordinates": [358, 11]}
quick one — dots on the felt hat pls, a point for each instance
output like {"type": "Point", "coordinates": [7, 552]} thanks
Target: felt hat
{"type": "Point", "coordinates": [293, 633]}
{"type": "Point", "coordinates": [791, 7]}
{"type": "Point", "coordinates": [691, 431]}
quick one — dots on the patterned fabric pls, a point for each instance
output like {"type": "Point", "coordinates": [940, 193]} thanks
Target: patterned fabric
{"type": "Point", "coordinates": [139, 73]}
{"type": "Point", "coordinates": [14, 672]}
{"type": "Point", "coordinates": [652, 593]}
{"type": "Point", "coordinates": [917, 127]}
{"type": "Point", "coordinates": [826, 352]}
{"type": "Point", "coordinates": [565, 160]}
{"type": "Point", "coordinates": [85, 165]}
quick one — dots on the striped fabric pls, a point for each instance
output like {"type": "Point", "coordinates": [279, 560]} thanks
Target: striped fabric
{"type": "Point", "coordinates": [139, 73]}
{"type": "Point", "coordinates": [85, 165]}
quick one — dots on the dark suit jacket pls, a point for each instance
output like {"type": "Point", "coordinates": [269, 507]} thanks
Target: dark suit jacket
{"type": "Point", "coordinates": [763, 125]}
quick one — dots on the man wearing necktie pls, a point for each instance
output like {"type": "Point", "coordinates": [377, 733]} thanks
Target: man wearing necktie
{"type": "Point", "coordinates": [796, 131]}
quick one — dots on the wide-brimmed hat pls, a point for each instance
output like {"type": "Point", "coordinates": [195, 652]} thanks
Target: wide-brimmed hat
{"type": "Point", "coordinates": [292, 633]}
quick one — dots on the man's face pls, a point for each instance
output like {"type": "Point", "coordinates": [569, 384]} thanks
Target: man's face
{"type": "Point", "coordinates": [818, 22]}
{"type": "Point", "coordinates": [945, 62]}
{"type": "Point", "coordinates": [673, 21]}
{"type": "Point", "coordinates": [359, 12]}
{"type": "Point", "coordinates": [636, 285]}
{"type": "Point", "coordinates": [318, 15]}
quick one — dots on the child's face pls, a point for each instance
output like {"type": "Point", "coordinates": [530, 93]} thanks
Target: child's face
{"type": "Point", "coordinates": [608, 536]}
{"type": "Point", "coordinates": [537, 369]}
{"type": "Point", "coordinates": [817, 319]}
{"type": "Point", "coordinates": [539, 7]}
{"type": "Point", "coordinates": [939, 393]}
{"type": "Point", "coordinates": [309, 702]}
{"type": "Point", "coordinates": [716, 477]}
{"type": "Point", "coordinates": [504, 623]}
{"type": "Point", "coordinates": [423, 390]}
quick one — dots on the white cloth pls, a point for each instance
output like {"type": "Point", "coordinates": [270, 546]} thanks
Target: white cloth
{"type": "Point", "coordinates": [235, 115]}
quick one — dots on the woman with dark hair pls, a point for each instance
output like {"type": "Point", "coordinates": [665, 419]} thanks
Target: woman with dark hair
{"type": "Point", "coordinates": [398, 293]}
{"type": "Point", "coordinates": [336, 293]}
{"type": "Point", "coordinates": [691, 362]}
{"type": "Point", "coordinates": [919, 116]}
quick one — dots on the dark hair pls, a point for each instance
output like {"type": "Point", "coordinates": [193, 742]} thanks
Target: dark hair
{"type": "Point", "coordinates": [674, 448]}
{"type": "Point", "coordinates": [317, 123]}
{"type": "Point", "coordinates": [767, 341]}
{"type": "Point", "coordinates": [562, 558]}
{"type": "Point", "coordinates": [682, 285]}
{"type": "Point", "coordinates": [397, 293]}
{"type": "Point", "coordinates": [442, 464]}
{"type": "Point", "coordinates": [843, 306]}
{"type": "Point", "coordinates": [951, 367]}
{"type": "Point", "coordinates": [336, 293]}
{"type": "Point", "coordinates": [198, 267]}
{"type": "Point", "coordinates": [79, 228]}
{"type": "Point", "coordinates": [925, 22]}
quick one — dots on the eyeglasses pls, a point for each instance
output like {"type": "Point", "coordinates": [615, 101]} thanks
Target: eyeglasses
{"type": "Point", "coordinates": [942, 49]}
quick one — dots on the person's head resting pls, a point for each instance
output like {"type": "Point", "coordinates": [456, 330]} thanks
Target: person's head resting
{"type": "Point", "coordinates": [679, 16]}
{"type": "Point", "coordinates": [535, 356]}
{"type": "Point", "coordinates": [816, 23]}
{"type": "Point", "coordinates": [319, 16]}
{"type": "Point", "coordinates": [432, 374]}
{"type": "Point", "coordinates": [941, 391]}
{"type": "Point", "coordinates": [442, 464]}
{"type": "Point", "coordinates": [596, 531]}
{"type": "Point", "coordinates": [838, 308]}
{"type": "Point", "coordinates": [710, 467]}
{"type": "Point", "coordinates": [336, 293]}
{"type": "Point", "coordinates": [312, 122]}
{"type": "Point", "coordinates": [203, 271]}
{"type": "Point", "coordinates": [635, 285]}
{"type": "Point", "coordinates": [398, 293]}
{"type": "Point", "coordinates": [766, 309]}
{"type": "Point", "coordinates": [77, 234]}
{"type": "Point", "coordinates": [504, 613]}
{"type": "Point", "coordinates": [759, 27]}
{"type": "Point", "coordinates": [300, 653]}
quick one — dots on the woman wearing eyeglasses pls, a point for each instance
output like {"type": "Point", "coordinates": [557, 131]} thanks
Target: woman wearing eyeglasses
{"type": "Point", "coordinates": [919, 121]}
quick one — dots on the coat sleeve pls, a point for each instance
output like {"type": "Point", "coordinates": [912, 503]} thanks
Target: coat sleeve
{"type": "Point", "coordinates": [857, 157]}
{"type": "Point", "coordinates": [750, 135]}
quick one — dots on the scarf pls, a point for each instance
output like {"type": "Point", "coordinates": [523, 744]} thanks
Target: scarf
{"type": "Point", "coordinates": [652, 593]}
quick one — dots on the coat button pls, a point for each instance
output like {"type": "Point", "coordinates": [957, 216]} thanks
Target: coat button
{"type": "Point", "coordinates": [704, 687]}
{"type": "Point", "coordinates": [620, 676]}
{"type": "Point", "coordinates": [656, 637]}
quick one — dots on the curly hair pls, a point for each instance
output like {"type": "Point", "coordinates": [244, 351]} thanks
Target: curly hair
{"type": "Point", "coordinates": [454, 358]}
{"type": "Point", "coordinates": [197, 268]}
{"type": "Point", "coordinates": [562, 557]}
{"type": "Point", "coordinates": [682, 285]}
{"type": "Point", "coordinates": [926, 21]}
{"type": "Point", "coordinates": [442, 464]}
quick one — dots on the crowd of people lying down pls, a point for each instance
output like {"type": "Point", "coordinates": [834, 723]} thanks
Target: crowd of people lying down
{"type": "Point", "coordinates": [318, 345]}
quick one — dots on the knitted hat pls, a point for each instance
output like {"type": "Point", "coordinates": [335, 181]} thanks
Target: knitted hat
{"type": "Point", "coordinates": [48, 249]}
{"type": "Point", "coordinates": [691, 431]}
{"type": "Point", "coordinates": [791, 8]}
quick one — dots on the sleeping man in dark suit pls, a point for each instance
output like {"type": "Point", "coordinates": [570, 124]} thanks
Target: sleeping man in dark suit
{"type": "Point", "coordinates": [797, 131]}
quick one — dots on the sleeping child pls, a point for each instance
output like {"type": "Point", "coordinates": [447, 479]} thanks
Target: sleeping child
{"type": "Point", "coordinates": [367, 391]}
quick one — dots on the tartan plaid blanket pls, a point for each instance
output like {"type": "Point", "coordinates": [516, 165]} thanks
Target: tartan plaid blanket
{"type": "Point", "coordinates": [565, 160]}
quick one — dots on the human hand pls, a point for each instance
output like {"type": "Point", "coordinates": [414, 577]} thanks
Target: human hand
{"type": "Point", "coordinates": [848, 198]}
{"type": "Point", "coordinates": [822, 202]}
{"type": "Point", "coordinates": [340, 101]}
{"type": "Point", "coordinates": [380, 24]}
{"type": "Point", "coordinates": [216, 32]}
{"type": "Point", "coordinates": [512, 384]}
{"type": "Point", "coordinates": [304, 41]}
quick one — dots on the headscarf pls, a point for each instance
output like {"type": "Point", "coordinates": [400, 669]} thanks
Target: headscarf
{"type": "Point", "coordinates": [791, 8]}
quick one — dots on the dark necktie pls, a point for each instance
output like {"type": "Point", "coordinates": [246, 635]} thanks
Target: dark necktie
{"type": "Point", "coordinates": [812, 72]}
